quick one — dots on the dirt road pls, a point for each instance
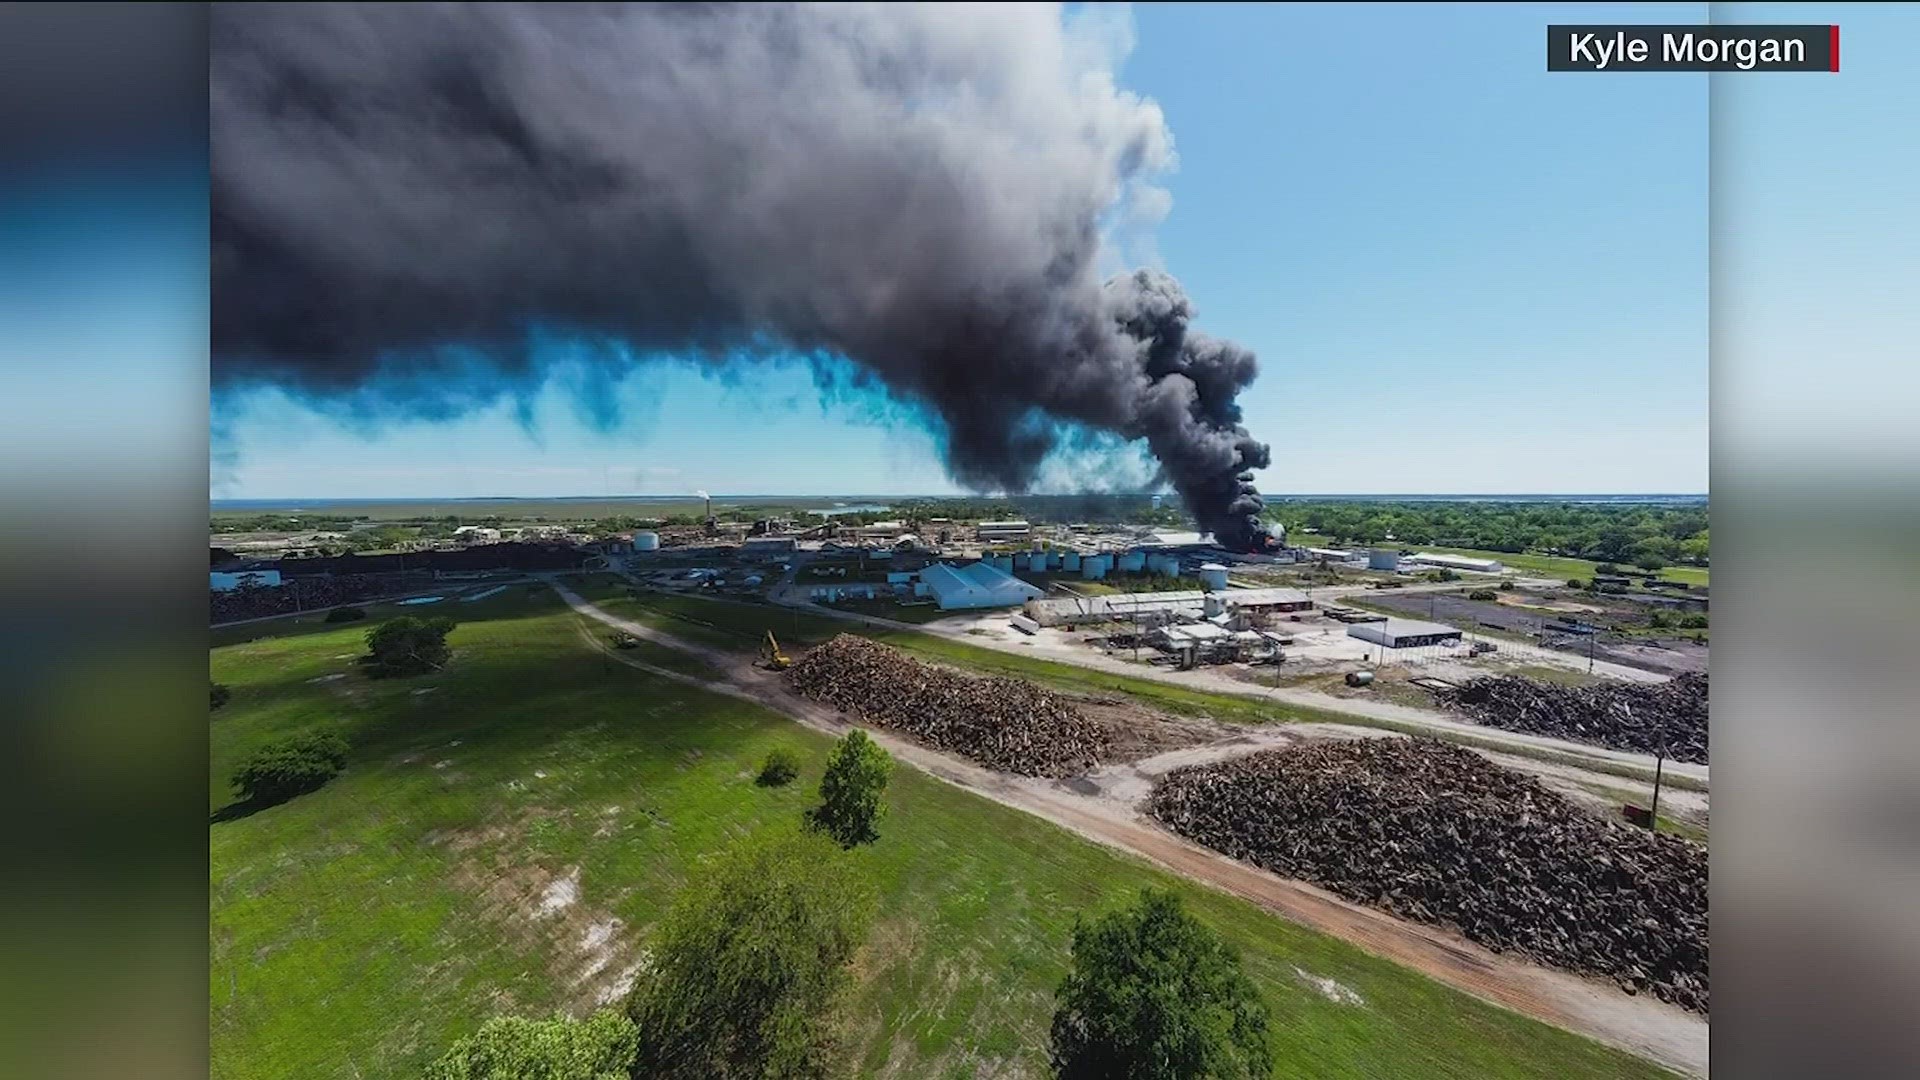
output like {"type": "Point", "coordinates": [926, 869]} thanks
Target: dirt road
{"type": "Point", "coordinates": [1103, 807]}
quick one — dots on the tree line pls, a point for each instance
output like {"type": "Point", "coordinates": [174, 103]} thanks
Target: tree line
{"type": "Point", "coordinates": [1658, 534]}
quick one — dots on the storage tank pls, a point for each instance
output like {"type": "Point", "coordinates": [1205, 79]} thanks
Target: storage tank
{"type": "Point", "coordinates": [1133, 562]}
{"type": "Point", "coordinates": [1004, 564]}
{"type": "Point", "coordinates": [1094, 567]}
{"type": "Point", "coordinates": [1070, 561]}
{"type": "Point", "coordinates": [1383, 559]}
{"type": "Point", "coordinates": [646, 541]}
{"type": "Point", "coordinates": [1164, 565]}
{"type": "Point", "coordinates": [1213, 577]}
{"type": "Point", "coordinates": [1022, 561]}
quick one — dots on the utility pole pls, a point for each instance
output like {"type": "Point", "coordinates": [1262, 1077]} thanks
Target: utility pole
{"type": "Point", "coordinates": [1659, 766]}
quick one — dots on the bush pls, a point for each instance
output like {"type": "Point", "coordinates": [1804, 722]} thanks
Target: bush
{"type": "Point", "coordinates": [409, 645]}
{"type": "Point", "coordinates": [1611, 590]}
{"type": "Point", "coordinates": [1153, 994]}
{"type": "Point", "coordinates": [1483, 594]}
{"type": "Point", "coordinates": [1507, 585]}
{"type": "Point", "coordinates": [1606, 569]}
{"type": "Point", "coordinates": [751, 962]}
{"type": "Point", "coordinates": [279, 771]}
{"type": "Point", "coordinates": [779, 769]}
{"type": "Point", "coordinates": [345, 614]}
{"type": "Point", "coordinates": [1694, 622]}
{"type": "Point", "coordinates": [219, 695]}
{"type": "Point", "coordinates": [850, 790]}
{"type": "Point", "coordinates": [1442, 574]}
{"type": "Point", "coordinates": [601, 1047]}
{"type": "Point", "coordinates": [1576, 583]}
{"type": "Point", "coordinates": [1659, 620]}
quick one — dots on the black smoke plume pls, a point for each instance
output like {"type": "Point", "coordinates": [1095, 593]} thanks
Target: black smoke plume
{"type": "Point", "coordinates": [403, 193]}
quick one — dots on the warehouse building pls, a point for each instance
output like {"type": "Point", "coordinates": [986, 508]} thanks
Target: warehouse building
{"type": "Point", "coordinates": [767, 547]}
{"type": "Point", "coordinates": [992, 531]}
{"type": "Point", "coordinates": [977, 585]}
{"type": "Point", "coordinates": [1457, 562]}
{"type": "Point", "coordinates": [1404, 633]}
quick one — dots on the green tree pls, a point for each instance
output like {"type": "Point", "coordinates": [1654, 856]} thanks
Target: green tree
{"type": "Point", "coordinates": [751, 962]}
{"type": "Point", "coordinates": [779, 769]}
{"type": "Point", "coordinates": [850, 790]}
{"type": "Point", "coordinates": [409, 645]}
{"type": "Point", "coordinates": [601, 1047]}
{"type": "Point", "coordinates": [218, 696]}
{"type": "Point", "coordinates": [1154, 994]}
{"type": "Point", "coordinates": [281, 770]}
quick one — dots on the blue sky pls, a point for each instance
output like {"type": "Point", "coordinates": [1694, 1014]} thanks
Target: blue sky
{"type": "Point", "coordinates": [1461, 273]}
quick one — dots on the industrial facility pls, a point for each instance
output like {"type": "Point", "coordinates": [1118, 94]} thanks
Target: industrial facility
{"type": "Point", "coordinates": [1152, 609]}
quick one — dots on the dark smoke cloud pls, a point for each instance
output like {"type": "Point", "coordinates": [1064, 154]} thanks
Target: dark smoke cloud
{"type": "Point", "coordinates": [398, 189]}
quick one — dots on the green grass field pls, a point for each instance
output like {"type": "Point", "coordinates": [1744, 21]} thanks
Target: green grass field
{"type": "Point", "coordinates": [355, 931]}
{"type": "Point", "coordinates": [1554, 566]}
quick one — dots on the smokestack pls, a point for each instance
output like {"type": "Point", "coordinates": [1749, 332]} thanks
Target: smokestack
{"type": "Point", "coordinates": [417, 209]}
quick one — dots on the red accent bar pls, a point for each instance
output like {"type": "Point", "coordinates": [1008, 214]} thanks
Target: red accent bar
{"type": "Point", "coordinates": [1833, 48]}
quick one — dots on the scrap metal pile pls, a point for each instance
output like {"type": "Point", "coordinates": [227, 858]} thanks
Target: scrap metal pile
{"type": "Point", "coordinates": [1623, 716]}
{"type": "Point", "coordinates": [1437, 833]}
{"type": "Point", "coordinates": [1005, 724]}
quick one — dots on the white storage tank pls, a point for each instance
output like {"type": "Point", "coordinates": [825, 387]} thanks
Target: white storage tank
{"type": "Point", "coordinates": [1213, 577]}
{"type": "Point", "coordinates": [646, 541]}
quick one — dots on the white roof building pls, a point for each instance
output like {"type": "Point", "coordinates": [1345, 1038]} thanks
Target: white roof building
{"type": "Point", "coordinates": [977, 585]}
{"type": "Point", "coordinates": [1457, 562]}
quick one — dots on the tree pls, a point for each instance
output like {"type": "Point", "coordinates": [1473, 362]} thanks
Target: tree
{"type": "Point", "coordinates": [281, 770]}
{"type": "Point", "coordinates": [218, 696]}
{"type": "Point", "coordinates": [345, 614]}
{"type": "Point", "coordinates": [779, 769]}
{"type": "Point", "coordinates": [751, 962]}
{"type": "Point", "coordinates": [850, 790]}
{"type": "Point", "coordinates": [409, 645]}
{"type": "Point", "coordinates": [1153, 994]}
{"type": "Point", "coordinates": [601, 1047]}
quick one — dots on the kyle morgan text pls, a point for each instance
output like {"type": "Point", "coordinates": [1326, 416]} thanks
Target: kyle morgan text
{"type": "Point", "coordinates": [1684, 48]}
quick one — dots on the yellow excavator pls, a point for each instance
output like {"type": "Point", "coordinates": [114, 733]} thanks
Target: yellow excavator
{"type": "Point", "coordinates": [771, 656]}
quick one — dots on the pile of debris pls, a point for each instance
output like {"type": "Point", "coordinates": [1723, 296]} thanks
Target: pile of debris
{"type": "Point", "coordinates": [1622, 716]}
{"type": "Point", "coordinates": [1005, 724]}
{"type": "Point", "coordinates": [1437, 833]}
